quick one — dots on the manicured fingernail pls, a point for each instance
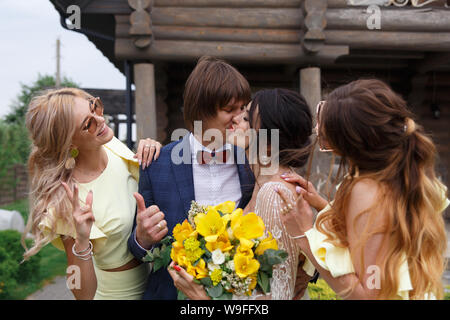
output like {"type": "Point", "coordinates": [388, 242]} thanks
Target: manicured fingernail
{"type": "Point", "coordinates": [298, 189]}
{"type": "Point", "coordinates": [177, 268]}
{"type": "Point", "coordinates": [140, 162]}
{"type": "Point", "coordinates": [276, 189]}
{"type": "Point", "coordinates": [284, 174]}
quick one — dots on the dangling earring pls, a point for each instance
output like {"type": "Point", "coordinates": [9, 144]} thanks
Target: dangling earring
{"type": "Point", "coordinates": [356, 172]}
{"type": "Point", "coordinates": [264, 160]}
{"type": "Point", "coordinates": [70, 162]}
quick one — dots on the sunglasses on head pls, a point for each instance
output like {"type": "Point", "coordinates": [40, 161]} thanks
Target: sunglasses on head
{"type": "Point", "coordinates": [96, 107]}
{"type": "Point", "coordinates": [318, 110]}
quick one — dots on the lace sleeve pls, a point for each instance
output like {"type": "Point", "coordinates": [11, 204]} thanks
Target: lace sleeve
{"type": "Point", "coordinates": [268, 207]}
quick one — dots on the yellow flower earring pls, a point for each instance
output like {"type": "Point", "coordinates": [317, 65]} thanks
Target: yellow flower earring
{"type": "Point", "coordinates": [70, 162]}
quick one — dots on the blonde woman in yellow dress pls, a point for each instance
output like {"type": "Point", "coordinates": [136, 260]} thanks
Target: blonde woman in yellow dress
{"type": "Point", "coordinates": [383, 236]}
{"type": "Point", "coordinates": [82, 182]}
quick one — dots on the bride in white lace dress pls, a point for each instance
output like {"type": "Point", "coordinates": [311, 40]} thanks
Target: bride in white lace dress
{"type": "Point", "coordinates": [288, 113]}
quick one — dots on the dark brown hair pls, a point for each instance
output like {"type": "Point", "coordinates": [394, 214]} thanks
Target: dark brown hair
{"type": "Point", "coordinates": [371, 128]}
{"type": "Point", "coordinates": [213, 84]}
{"type": "Point", "coordinates": [288, 112]}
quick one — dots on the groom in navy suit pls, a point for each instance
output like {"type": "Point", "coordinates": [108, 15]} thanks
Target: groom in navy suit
{"type": "Point", "coordinates": [193, 168]}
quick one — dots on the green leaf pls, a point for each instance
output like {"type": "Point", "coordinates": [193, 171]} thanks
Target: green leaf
{"type": "Point", "coordinates": [165, 255]}
{"type": "Point", "coordinates": [157, 264]}
{"type": "Point", "coordinates": [225, 296]}
{"type": "Point", "coordinates": [215, 292]}
{"type": "Point", "coordinates": [207, 282]}
{"type": "Point", "coordinates": [149, 257]}
{"type": "Point", "coordinates": [264, 282]}
{"type": "Point", "coordinates": [181, 295]}
{"type": "Point", "coordinates": [156, 253]}
{"type": "Point", "coordinates": [167, 240]}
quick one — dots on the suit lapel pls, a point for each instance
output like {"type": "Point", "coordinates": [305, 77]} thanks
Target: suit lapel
{"type": "Point", "coordinates": [183, 173]}
{"type": "Point", "coordinates": [246, 177]}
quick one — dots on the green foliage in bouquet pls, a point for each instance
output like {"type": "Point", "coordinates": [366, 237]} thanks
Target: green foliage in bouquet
{"type": "Point", "coordinates": [160, 257]}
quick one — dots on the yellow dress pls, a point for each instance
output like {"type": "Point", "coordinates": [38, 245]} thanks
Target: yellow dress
{"type": "Point", "coordinates": [337, 260]}
{"type": "Point", "coordinates": [114, 209]}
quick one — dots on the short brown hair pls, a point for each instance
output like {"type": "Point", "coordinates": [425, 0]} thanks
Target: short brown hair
{"type": "Point", "coordinates": [212, 84]}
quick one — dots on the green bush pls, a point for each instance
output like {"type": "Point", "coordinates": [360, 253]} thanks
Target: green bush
{"type": "Point", "coordinates": [12, 271]}
{"type": "Point", "coordinates": [14, 147]}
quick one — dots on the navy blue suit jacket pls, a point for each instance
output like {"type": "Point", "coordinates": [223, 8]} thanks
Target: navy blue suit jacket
{"type": "Point", "coordinates": [169, 184]}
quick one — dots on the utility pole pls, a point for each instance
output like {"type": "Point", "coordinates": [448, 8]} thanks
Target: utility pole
{"type": "Point", "coordinates": [58, 70]}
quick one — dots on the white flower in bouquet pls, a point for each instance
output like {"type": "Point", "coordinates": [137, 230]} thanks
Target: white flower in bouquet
{"type": "Point", "coordinates": [218, 257]}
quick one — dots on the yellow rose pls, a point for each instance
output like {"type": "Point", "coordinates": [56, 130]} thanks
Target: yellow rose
{"type": "Point", "coordinates": [267, 243]}
{"type": "Point", "coordinates": [201, 269]}
{"type": "Point", "coordinates": [245, 247]}
{"type": "Point", "coordinates": [210, 225]}
{"type": "Point", "coordinates": [222, 243]}
{"type": "Point", "coordinates": [249, 226]}
{"type": "Point", "coordinates": [182, 231]}
{"type": "Point", "coordinates": [177, 252]}
{"type": "Point", "coordinates": [226, 207]}
{"type": "Point", "coordinates": [245, 265]}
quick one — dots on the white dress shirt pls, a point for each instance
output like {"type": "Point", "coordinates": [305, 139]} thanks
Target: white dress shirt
{"type": "Point", "coordinates": [214, 183]}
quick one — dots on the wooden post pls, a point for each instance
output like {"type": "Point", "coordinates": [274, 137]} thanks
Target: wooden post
{"type": "Point", "coordinates": [310, 88]}
{"type": "Point", "coordinates": [145, 101]}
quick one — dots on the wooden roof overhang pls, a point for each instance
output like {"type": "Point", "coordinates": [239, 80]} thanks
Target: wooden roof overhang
{"type": "Point", "coordinates": [296, 33]}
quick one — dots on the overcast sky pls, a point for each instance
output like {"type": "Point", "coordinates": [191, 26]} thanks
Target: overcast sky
{"type": "Point", "coordinates": [28, 33]}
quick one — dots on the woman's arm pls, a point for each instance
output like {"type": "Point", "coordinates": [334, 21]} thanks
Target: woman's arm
{"type": "Point", "coordinates": [83, 218]}
{"type": "Point", "coordinates": [300, 219]}
{"type": "Point", "coordinates": [88, 281]}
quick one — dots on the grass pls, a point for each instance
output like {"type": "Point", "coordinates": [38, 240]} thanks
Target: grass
{"type": "Point", "coordinates": [53, 261]}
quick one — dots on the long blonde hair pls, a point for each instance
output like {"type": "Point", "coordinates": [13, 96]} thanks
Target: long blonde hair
{"type": "Point", "coordinates": [367, 123]}
{"type": "Point", "coordinates": [51, 125]}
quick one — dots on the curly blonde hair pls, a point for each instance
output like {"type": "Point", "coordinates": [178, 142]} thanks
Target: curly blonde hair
{"type": "Point", "coordinates": [51, 125]}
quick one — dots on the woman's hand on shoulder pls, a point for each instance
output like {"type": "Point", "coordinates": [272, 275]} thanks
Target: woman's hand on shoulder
{"type": "Point", "coordinates": [147, 151]}
{"type": "Point", "coordinates": [306, 189]}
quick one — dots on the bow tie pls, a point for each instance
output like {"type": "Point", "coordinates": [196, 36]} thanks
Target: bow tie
{"type": "Point", "coordinates": [205, 157]}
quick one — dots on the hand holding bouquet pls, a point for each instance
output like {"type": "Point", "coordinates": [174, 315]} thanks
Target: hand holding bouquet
{"type": "Point", "coordinates": [224, 250]}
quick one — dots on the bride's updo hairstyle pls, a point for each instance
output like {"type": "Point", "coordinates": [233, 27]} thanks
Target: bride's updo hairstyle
{"type": "Point", "coordinates": [286, 111]}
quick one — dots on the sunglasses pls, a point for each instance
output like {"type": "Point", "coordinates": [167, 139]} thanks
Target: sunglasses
{"type": "Point", "coordinates": [96, 107]}
{"type": "Point", "coordinates": [318, 109]}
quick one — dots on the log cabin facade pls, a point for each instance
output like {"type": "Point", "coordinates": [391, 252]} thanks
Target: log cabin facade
{"type": "Point", "coordinates": [308, 45]}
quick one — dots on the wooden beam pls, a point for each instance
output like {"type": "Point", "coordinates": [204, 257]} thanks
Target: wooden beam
{"type": "Point", "coordinates": [392, 19]}
{"type": "Point", "coordinates": [229, 3]}
{"type": "Point", "coordinates": [414, 41]}
{"type": "Point", "coordinates": [217, 34]}
{"type": "Point", "coordinates": [392, 54]}
{"type": "Point", "coordinates": [433, 61]}
{"type": "Point", "coordinates": [228, 17]}
{"type": "Point", "coordinates": [169, 50]}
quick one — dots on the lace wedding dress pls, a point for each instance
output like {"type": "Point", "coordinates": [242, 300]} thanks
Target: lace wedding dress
{"type": "Point", "coordinates": [268, 207]}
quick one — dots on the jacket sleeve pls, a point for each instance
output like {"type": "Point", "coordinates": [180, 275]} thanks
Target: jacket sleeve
{"type": "Point", "coordinates": [145, 189]}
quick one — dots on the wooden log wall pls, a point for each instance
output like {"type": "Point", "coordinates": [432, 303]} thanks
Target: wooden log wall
{"type": "Point", "coordinates": [271, 32]}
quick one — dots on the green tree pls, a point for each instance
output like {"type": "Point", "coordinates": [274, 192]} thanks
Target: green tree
{"type": "Point", "coordinates": [14, 141]}
{"type": "Point", "coordinates": [27, 92]}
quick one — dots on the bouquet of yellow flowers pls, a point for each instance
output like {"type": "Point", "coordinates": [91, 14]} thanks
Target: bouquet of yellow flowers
{"type": "Point", "coordinates": [224, 250]}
